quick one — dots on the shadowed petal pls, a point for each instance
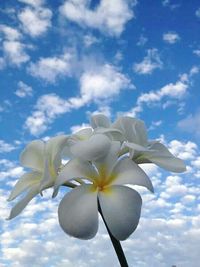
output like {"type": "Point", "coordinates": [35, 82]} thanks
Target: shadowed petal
{"type": "Point", "coordinates": [33, 155]}
{"type": "Point", "coordinates": [78, 213]}
{"type": "Point", "coordinates": [161, 156]}
{"type": "Point", "coordinates": [54, 147]}
{"type": "Point", "coordinates": [99, 120]}
{"type": "Point", "coordinates": [121, 208]}
{"type": "Point", "coordinates": [76, 168]}
{"type": "Point", "coordinates": [23, 202]}
{"type": "Point", "coordinates": [94, 148]}
{"type": "Point", "coordinates": [128, 172]}
{"type": "Point", "coordinates": [26, 181]}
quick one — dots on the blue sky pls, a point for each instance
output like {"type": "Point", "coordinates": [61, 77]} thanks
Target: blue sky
{"type": "Point", "coordinates": [61, 61]}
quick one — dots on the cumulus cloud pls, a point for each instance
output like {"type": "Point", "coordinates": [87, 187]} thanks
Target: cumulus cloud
{"type": "Point", "coordinates": [102, 83]}
{"type": "Point", "coordinates": [47, 108]}
{"type": "Point", "coordinates": [197, 52]}
{"type": "Point", "coordinates": [5, 147]}
{"type": "Point", "coordinates": [9, 32]}
{"type": "Point", "coordinates": [14, 51]}
{"type": "Point", "coordinates": [150, 62]}
{"type": "Point", "coordinates": [171, 37]}
{"type": "Point", "coordinates": [23, 90]}
{"type": "Point", "coordinates": [98, 85]}
{"type": "Point", "coordinates": [35, 22]}
{"type": "Point", "coordinates": [109, 16]}
{"type": "Point", "coordinates": [171, 91]}
{"type": "Point", "coordinates": [191, 124]}
{"type": "Point", "coordinates": [34, 3]}
{"type": "Point", "coordinates": [51, 68]}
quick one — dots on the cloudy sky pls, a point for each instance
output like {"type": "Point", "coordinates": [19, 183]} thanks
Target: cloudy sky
{"type": "Point", "coordinates": [61, 61]}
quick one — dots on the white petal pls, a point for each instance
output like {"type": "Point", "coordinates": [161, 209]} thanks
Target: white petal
{"type": "Point", "coordinates": [23, 202]}
{"type": "Point", "coordinates": [161, 156]}
{"type": "Point", "coordinates": [94, 148]}
{"type": "Point", "coordinates": [113, 134]}
{"type": "Point", "coordinates": [76, 169]}
{"type": "Point", "coordinates": [128, 172]}
{"type": "Point", "coordinates": [54, 147]}
{"type": "Point", "coordinates": [47, 179]}
{"type": "Point", "coordinates": [106, 164]}
{"type": "Point", "coordinates": [121, 208]}
{"type": "Point", "coordinates": [33, 155]}
{"type": "Point", "coordinates": [78, 213]}
{"type": "Point", "coordinates": [99, 120]}
{"type": "Point", "coordinates": [136, 147]}
{"type": "Point", "coordinates": [83, 134]}
{"type": "Point", "coordinates": [134, 130]}
{"type": "Point", "coordinates": [25, 182]}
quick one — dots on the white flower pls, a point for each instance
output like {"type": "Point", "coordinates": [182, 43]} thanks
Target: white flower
{"type": "Point", "coordinates": [120, 205]}
{"type": "Point", "coordinates": [135, 141]}
{"type": "Point", "coordinates": [45, 160]}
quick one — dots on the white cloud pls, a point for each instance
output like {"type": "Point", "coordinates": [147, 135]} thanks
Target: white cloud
{"type": "Point", "coordinates": [13, 49]}
{"type": "Point", "coordinates": [47, 108]}
{"type": "Point", "coordinates": [109, 16]}
{"type": "Point", "coordinates": [51, 68]}
{"type": "Point", "coordinates": [102, 83]}
{"type": "Point", "coordinates": [191, 124]}
{"type": "Point", "coordinates": [171, 91]}
{"type": "Point", "coordinates": [35, 22]}
{"type": "Point", "coordinates": [150, 62]}
{"type": "Point", "coordinates": [184, 150]}
{"type": "Point", "coordinates": [197, 13]}
{"type": "Point", "coordinates": [171, 37]}
{"type": "Point", "coordinates": [5, 147]}
{"type": "Point", "coordinates": [10, 33]}
{"type": "Point", "coordinates": [197, 52]}
{"type": "Point", "coordinates": [167, 3]}
{"type": "Point", "coordinates": [34, 3]}
{"type": "Point", "coordinates": [99, 86]}
{"type": "Point", "coordinates": [23, 90]}
{"type": "Point", "coordinates": [14, 52]}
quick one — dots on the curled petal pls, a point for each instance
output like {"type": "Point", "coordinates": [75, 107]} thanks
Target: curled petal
{"type": "Point", "coordinates": [54, 147]}
{"type": "Point", "coordinates": [92, 149]}
{"type": "Point", "coordinates": [23, 202]}
{"type": "Point", "coordinates": [128, 172]}
{"type": "Point", "coordinates": [25, 182]}
{"type": "Point", "coordinates": [83, 134]}
{"type": "Point", "coordinates": [33, 155]}
{"type": "Point", "coordinates": [134, 130]}
{"type": "Point", "coordinates": [121, 208]}
{"type": "Point", "coordinates": [76, 168]}
{"type": "Point", "coordinates": [99, 120]}
{"type": "Point", "coordinates": [113, 134]}
{"type": "Point", "coordinates": [161, 156]}
{"type": "Point", "coordinates": [78, 213]}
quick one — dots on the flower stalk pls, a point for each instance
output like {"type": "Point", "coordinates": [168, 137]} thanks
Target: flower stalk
{"type": "Point", "coordinates": [116, 244]}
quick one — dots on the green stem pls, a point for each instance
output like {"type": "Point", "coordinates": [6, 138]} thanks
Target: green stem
{"type": "Point", "coordinates": [116, 244]}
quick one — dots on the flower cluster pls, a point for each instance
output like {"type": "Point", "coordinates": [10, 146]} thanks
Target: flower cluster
{"type": "Point", "coordinates": [103, 160]}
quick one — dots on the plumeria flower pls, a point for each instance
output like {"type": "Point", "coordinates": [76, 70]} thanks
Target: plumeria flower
{"type": "Point", "coordinates": [44, 160]}
{"type": "Point", "coordinates": [135, 141]}
{"type": "Point", "coordinates": [107, 177]}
